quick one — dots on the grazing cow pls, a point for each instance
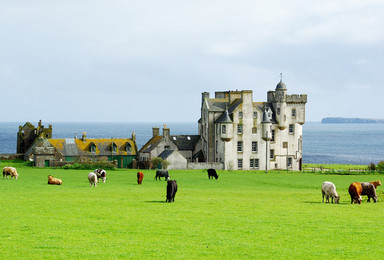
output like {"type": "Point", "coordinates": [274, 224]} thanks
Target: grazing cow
{"type": "Point", "coordinates": [53, 180]}
{"type": "Point", "coordinates": [369, 190]}
{"type": "Point", "coordinates": [140, 177]}
{"type": "Point", "coordinates": [162, 173]}
{"type": "Point", "coordinates": [92, 177]}
{"type": "Point", "coordinates": [329, 190]}
{"type": "Point", "coordinates": [10, 171]}
{"type": "Point", "coordinates": [212, 173]}
{"type": "Point", "coordinates": [171, 190]}
{"type": "Point", "coordinates": [355, 191]}
{"type": "Point", "coordinates": [376, 183]}
{"type": "Point", "coordinates": [101, 174]}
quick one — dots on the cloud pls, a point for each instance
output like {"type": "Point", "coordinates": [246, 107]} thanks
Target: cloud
{"type": "Point", "coordinates": [136, 55]}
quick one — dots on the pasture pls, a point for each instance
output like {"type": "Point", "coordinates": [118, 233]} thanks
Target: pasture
{"type": "Point", "coordinates": [243, 214]}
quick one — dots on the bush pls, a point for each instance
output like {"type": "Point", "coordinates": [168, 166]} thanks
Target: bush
{"type": "Point", "coordinates": [380, 166]}
{"type": "Point", "coordinates": [372, 167]}
{"type": "Point", "coordinates": [89, 166]}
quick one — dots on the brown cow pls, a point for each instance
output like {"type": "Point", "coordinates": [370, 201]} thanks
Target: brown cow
{"type": "Point", "coordinates": [375, 183]}
{"type": "Point", "coordinates": [355, 191]}
{"type": "Point", "coordinates": [140, 177]}
{"type": "Point", "coordinates": [53, 180]}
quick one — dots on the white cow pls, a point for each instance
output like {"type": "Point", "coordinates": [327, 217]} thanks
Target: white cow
{"type": "Point", "coordinates": [10, 171]}
{"type": "Point", "coordinates": [92, 177]}
{"type": "Point", "coordinates": [329, 190]}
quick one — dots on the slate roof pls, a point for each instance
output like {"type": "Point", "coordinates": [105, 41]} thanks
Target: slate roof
{"type": "Point", "coordinates": [185, 142]}
{"type": "Point", "coordinates": [166, 153]}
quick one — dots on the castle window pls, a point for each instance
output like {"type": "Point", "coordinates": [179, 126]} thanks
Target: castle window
{"type": "Point", "coordinates": [289, 161]}
{"type": "Point", "coordinates": [240, 129]}
{"type": "Point", "coordinates": [254, 114]}
{"type": "Point", "coordinates": [223, 129]}
{"type": "Point", "coordinates": [291, 129]}
{"type": "Point", "coordinates": [254, 147]}
{"type": "Point", "coordinates": [240, 163]}
{"type": "Point", "coordinates": [239, 146]}
{"type": "Point", "coordinates": [273, 135]}
{"type": "Point", "coordinates": [272, 154]}
{"type": "Point", "coordinates": [294, 113]}
{"type": "Point", "coordinates": [278, 111]}
{"type": "Point", "coordinates": [240, 114]}
{"type": "Point", "coordinates": [254, 130]}
{"type": "Point", "coordinates": [254, 163]}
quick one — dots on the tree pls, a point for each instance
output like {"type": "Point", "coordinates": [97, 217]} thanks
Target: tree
{"type": "Point", "coordinates": [380, 166]}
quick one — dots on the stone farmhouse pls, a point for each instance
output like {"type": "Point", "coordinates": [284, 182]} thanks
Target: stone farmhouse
{"type": "Point", "coordinates": [247, 135]}
{"type": "Point", "coordinates": [36, 144]}
{"type": "Point", "coordinates": [178, 150]}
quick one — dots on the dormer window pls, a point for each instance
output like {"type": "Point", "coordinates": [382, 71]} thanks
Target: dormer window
{"type": "Point", "coordinates": [92, 148]}
{"type": "Point", "coordinates": [114, 147]}
{"type": "Point", "coordinates": [128, 148]}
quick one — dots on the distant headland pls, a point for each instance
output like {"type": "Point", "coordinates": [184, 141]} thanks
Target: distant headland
{"type": "Point", "coordinates": [343, 120]}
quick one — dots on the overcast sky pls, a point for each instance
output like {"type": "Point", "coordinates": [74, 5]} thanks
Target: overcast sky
{"type": "Point", "coordinates": [143, 61]}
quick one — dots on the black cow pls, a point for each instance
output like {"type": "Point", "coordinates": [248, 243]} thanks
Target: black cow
{"type": "Point", "coordinates": [171, 190]}
{"type": "Point", "coordinates": [212, 173]}
{"type": "Point", "coordinates": [101, 174]}
{"type": "Point", "coordinates": [369, 190]}
{"type": "Point", "coordinates": [162, 173]}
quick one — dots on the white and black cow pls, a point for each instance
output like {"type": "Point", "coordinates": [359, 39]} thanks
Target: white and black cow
{"type": "Point", "coordinates": [101, 174]}
{"type": "Point", "coordinates": [171, 190]}
{"type": "Point", "coordinates": [162, 173]}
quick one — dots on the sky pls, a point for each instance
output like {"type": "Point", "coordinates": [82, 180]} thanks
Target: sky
{"type": "Point", "coordinates": [150, 60]}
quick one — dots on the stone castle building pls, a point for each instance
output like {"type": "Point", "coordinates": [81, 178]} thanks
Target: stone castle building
{"type": "Point", "coordinates": [243, 134]}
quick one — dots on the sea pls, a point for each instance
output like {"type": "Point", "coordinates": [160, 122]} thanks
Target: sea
{"type": "Point", "coordinates": [322, 143]}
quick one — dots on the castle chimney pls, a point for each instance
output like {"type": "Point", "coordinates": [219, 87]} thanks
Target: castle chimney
{"type": "Point", "coordinates": [84, 137]}
{"type": "Point", "coordinates": [155, 131]}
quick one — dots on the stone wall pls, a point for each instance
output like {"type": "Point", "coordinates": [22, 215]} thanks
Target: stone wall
{"type": "Point", "coordinates": [205, 165]}
{"type": "Point", "coordinates": [9, 157]}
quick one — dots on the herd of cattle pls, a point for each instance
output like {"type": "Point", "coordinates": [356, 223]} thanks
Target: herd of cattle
{"type": "Point", "coordinates": [356, 190]}
{"type": "Point", "coordinates": [328, 189]}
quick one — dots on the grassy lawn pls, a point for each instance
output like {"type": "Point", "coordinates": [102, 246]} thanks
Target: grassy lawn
{"type": "Point", "coordinates": [243, 214]}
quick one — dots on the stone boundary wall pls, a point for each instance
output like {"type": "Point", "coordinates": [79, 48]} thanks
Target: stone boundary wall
{"type": "Point", "coordinates": [10, 156]}
{"type": "Point", "coordinates": [205, 165]}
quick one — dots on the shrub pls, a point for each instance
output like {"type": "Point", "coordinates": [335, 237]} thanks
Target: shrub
{"type": "Point", "coordinates": [90, 166]}
{"type": "Point", "coordinates": [156, 162]}
{"type": "Point", "coordinates": [380, 166]}
{"type": "Point", "coordinates": [372, 167]}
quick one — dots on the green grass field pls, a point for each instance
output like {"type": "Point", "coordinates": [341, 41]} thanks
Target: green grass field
{"type": "Point", "coordinates": [243, 214]}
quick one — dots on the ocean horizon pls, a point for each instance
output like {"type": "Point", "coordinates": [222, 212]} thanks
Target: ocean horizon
{"type": "Point", "coordinates": [322, 143]}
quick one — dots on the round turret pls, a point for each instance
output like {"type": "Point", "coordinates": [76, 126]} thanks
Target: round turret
{"type": "Point", "coordinates": [281, 86]}
{"type": "Point", "coordinates": [266, 127]}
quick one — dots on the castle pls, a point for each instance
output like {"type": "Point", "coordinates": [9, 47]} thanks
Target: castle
{"type": "Point", "coordinates": [247, 135]}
